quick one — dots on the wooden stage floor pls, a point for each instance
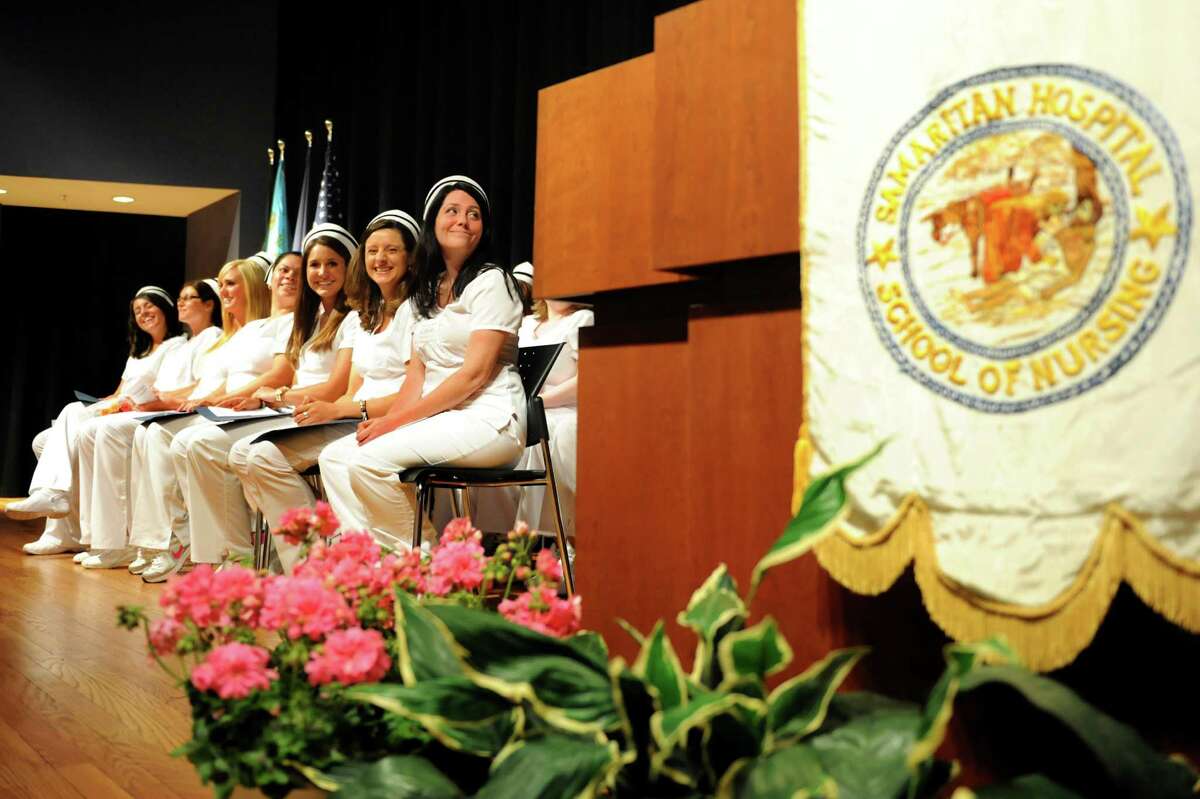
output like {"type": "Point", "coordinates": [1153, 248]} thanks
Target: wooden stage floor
{"type": "Point", "coordinates": [83, 712]}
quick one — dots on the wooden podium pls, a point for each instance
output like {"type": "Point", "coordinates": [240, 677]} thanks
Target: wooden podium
{"type": "Point", "coordinates": [668, 196]}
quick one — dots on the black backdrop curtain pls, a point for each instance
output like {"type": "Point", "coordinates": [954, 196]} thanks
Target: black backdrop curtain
{"type": "Point", "coordinates": [421, 90]}
{"type": "Point", "coordinates": [69, 277]}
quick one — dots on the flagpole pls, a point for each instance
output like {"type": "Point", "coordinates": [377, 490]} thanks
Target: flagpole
{"type": "Point", "coordinates": [303, 211]}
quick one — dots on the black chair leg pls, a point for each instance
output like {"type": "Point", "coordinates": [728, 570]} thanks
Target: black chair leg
{"type": "Point", "coordinates": [420, 513]}
{"type": "Point", "coordinates": [560, 535]}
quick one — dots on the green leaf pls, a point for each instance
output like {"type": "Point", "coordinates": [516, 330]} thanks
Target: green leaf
{"type": "Point", "coordinates": [798, 706]}
{"type": "Point", "coordinates": [567, 685]}
{"type": "Point", "coordinates": [961, 659]}
{"type": "Point", "coordinates": [456, 711]}
{"type": "Point", "coordinates": [634, 632]}
{"type": "Point", "coordinates": [753, 653]}
{"type": "Point", "coordinates": [715, 608]}
{"type": "Point", "coordinates": [730, 737]}
{"type": "Point", "coordinates": [590, 644]}
{"type": "Point", "coordinates": [864, 742]}
{"type": "Point", "coordinates": [427, 649]}
{"type": "Point", "coordinates": [820, 511]}
{"type": "Point", "coordinates": [1031, 786]}
{"type": "Point", "coordinates": [659, 666]}
{"type": "Point", "coordinates": [553, 767]}
{"type": "Point", "coordinates": [395, 777]}
{"type": "Point", "coordinates": [1133, 766]}
{"type": "Point", "coordinates": [670, 727]}
{"type": "Point", "coordinates": [789, 773]}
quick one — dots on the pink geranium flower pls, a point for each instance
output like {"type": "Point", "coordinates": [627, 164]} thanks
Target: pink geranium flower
{"type": "Point", "coordinates": [541, 610]}
{"type": "Point", "coordinates": [165, 634]}
{"type": "Point", "coordinates": [299, 525]}
{"type": "Point", "coordinates": [303, 606]}
{"type": "Point", "coordinates": [549, 566]}
{"type": "Point", "coordinates": [234, 671]}
{"type": "Point", "coordinates": [349, 656]}
{"type": "Point", "coordinates": [456, 564]}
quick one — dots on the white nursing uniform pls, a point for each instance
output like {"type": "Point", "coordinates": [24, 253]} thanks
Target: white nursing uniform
{"type": "Point", "coordinates": [270, 470]}
{"type": "Point", "coordinates": [106, 449]}
{"type": "Point", "coordinates": [219, 518]}
{"type": "Point", "coordinates": [58, 462]}
{"type": "Point", "coordinates": [160, 500]}
{"type": "Point", "coordinates": [486, 430]}
{"type": "Point", "coordinates": [499, 508]}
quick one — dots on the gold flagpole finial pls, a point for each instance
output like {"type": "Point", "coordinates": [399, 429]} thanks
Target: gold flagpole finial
{"type": "Point", "coordinates": [329, 130]}
{"type": "Point", "coordinates": [271, 156]}
{"type": "Point", "coordinates": [281, 145]}
{"type": "Point", "coordinates": [308, 137]}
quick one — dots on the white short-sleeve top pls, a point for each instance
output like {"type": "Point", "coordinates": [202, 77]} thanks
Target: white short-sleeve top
{"type": "Point", "coordinates": [534, 333]}
{"type": "Point", "coordinates": [180, 366]}
{"type": "Point", "coordinates": [247, 355]}
{"type": "Point", "coordinates": [315, 367]}
{"type": "Point", "coordinates": [381, 357]}
{"type": "Point", "coordinates": [487, 303]}
{"type": "Point", "coordinates": [142, 370]}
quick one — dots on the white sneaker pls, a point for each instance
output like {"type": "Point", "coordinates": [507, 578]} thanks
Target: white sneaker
{"type": "Point", "coordinates": [139, 563]}
{"type": "Point", "coordinates": [42, 502]}
{"type": "Point", "coordinates": [110, 558]}
{"type": "Point", "coordinates": [167, 563]}
{"type": "Point", "coordinates": [49, 545]}
{"type": "Point", "coordinates": [85, 554]}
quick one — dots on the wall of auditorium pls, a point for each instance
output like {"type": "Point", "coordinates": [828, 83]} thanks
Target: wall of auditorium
{"type": "Point", "coordinates": [142, 92]}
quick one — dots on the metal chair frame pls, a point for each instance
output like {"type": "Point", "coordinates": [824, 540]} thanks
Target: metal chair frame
{"type": "Point", "coordinates": [260, 531]}
{"type": "Point", "coordinates": [533, 364]}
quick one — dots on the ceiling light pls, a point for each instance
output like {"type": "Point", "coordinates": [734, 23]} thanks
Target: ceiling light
{"type": "Point", "coordinates": [3, 191]}
{"type": "Point", "coordinates": [122, 198]}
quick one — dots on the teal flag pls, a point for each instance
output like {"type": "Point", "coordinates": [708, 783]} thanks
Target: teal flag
{"type": "Point", "coordinates": [278, 238]}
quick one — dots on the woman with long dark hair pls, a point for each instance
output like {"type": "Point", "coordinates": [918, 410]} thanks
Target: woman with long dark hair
{"type": "Point", "coordinates": [377, 288]}
{"type": "Point", "coordinates": [461, 402]}
{"type": "Point", "coordinates": [106, 442]}
{"type": "Point", "coordinates": [53, 489]}
{"type": "Point", "coordinates": [315, 356]}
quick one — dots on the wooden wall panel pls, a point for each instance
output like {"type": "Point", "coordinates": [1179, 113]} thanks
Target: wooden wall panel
{"type": "Point", "coordinates": [743, 415]}
{"type": "Point", "coordinates": [635, 557]}
{"type": "Point", "coordinates": [727, 137]}
{"type": "Point", "coordinates": [593, 207]}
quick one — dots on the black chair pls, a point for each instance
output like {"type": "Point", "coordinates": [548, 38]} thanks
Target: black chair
{"type": "Point", "coordinates": [533, 364]}
{"type": "Point", "coordinates": [260, 531]}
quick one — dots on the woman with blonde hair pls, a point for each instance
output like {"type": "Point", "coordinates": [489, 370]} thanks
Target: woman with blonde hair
{"type": "Point", "coordinates": [242, 354]}
{"type": "Point", "coordinates": [376, 287]}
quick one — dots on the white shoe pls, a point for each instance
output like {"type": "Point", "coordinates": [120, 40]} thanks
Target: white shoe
{"type": "Point", "coordinates": [49, 545]}
{"type": "Point", "coordinates": [139, 563]}
{"type": "Point", "coordinates": [85, 554]}
{"type": "Point", "coordinates": [110, 558]}
{"type": "Point", "coordinates": [42, 502]}
{"type": "Point", "coordinates": [167, 563]}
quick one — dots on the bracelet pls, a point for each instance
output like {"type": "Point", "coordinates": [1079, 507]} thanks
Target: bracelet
{"type": "Point", "coordinates": [362, 409]}
{"type": "Point", "coordinates": [279, 392]}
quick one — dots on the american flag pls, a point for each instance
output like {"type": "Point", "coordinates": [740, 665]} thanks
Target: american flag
{"type": "Point", "coordinates": [330, 202]}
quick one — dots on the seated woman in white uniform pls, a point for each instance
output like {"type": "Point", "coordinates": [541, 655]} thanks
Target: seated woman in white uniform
{"type": "Point", "coordinates": [316, 354]}
{"type": "Point", "coordinates": [243, 352]}
{"type": "Point", "coordinates": [376, 287]}
{"type": "Point", "coordinates": [462, 402]}
{"type": "Point", "coordinates": [54, 489]}
{"type": "Point", "coordinates": [106, 442]}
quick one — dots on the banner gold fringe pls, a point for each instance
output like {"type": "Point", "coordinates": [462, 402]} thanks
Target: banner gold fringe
{"type": "Point", "coordinates": [1046, 636]}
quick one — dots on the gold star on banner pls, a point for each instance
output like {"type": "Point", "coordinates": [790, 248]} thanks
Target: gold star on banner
{"type": "Point", "coordinates": [882, 254]}
{"type": "Point", "coordinates": [1152, 227]}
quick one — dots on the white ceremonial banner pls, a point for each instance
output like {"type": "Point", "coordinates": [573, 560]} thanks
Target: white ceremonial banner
{"type": "Point", "coordinates": [999, 277]}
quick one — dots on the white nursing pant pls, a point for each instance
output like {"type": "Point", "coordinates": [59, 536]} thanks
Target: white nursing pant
{"type": "Point", "coordinates": [58, 464]}
{"type": "Point", "coordinates": [66, 529]}
{"type": "Point", "coordinates": [105, 451]}
{"type": "Point", "coordinates": [159, 506]}
{"type": "Point", "coordinates": [362, 483]}
{"type": "Point", "coordinates": [218, 516]}
{"type": "Point", "coordinates": [270, 473]}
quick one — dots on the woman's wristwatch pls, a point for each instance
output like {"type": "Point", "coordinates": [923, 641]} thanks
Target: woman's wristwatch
{"type": "Point", "coordinates": [362, 409]}
{"type": "Point", "coordinates": [279, 392]}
